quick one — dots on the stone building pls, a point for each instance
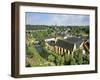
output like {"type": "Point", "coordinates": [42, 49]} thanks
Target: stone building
{"type": "Point", "coordinates": [61, 46]}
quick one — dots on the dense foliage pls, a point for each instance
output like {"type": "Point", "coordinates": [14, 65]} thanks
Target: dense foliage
{"type": "Point", "coordinates": [38, 55]}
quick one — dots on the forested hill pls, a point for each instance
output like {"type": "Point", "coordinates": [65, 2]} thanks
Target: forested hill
{"type": "Point", "coordinates": [74, 30]}
{"type": "Point", "coordinates": [39, 27]}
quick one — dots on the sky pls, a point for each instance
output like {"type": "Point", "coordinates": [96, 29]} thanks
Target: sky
{"type": "Point", "coordinates": [56, 19]}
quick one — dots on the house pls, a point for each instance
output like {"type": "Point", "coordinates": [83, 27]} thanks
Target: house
{"type": "Point", "coordinates": [68, 45]}
{"type": "Point", "coordinates": [74, 40]}
{"type": "Point", "coordinates": [85, 47]}
{"type": "Point", "coordinates": [59, 47]}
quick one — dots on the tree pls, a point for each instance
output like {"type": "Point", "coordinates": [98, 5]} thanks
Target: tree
{"type": "Point", "coordinates": [72, 61]}
{"type": "Point", "coordinates": [86, 59]}
{"type": "Point", "coordinates": [67, 59]}
{"type": "Point", "coordinates": [57, 61]}
{"type": "Point", "coordinates": [62, 60]}
{"type": "Point", "coordinates": [51, 58]}
{"type": "Point", "coordinates": [42, 43]}
{"type": "Point", "coordinates": [78, 56]}
{"type": "Point", "coordinates": [29, 51]}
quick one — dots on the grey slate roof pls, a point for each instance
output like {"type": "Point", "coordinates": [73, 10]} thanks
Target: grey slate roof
{"type": "Point", "coordinates": [65, 45]}
{"type": "Point", "coordinates": [74, 40]}
{"type": "Point", "coordinates": [62, 44]}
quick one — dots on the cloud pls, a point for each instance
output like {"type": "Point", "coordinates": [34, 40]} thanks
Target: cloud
{"type": "Point", "coordinates": [57, 19]}
{"type": "Point", "coordinates": [71, 20]}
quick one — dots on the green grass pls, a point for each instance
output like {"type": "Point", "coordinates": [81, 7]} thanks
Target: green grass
{"type": "Point", "coordinates": [33, 58]}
